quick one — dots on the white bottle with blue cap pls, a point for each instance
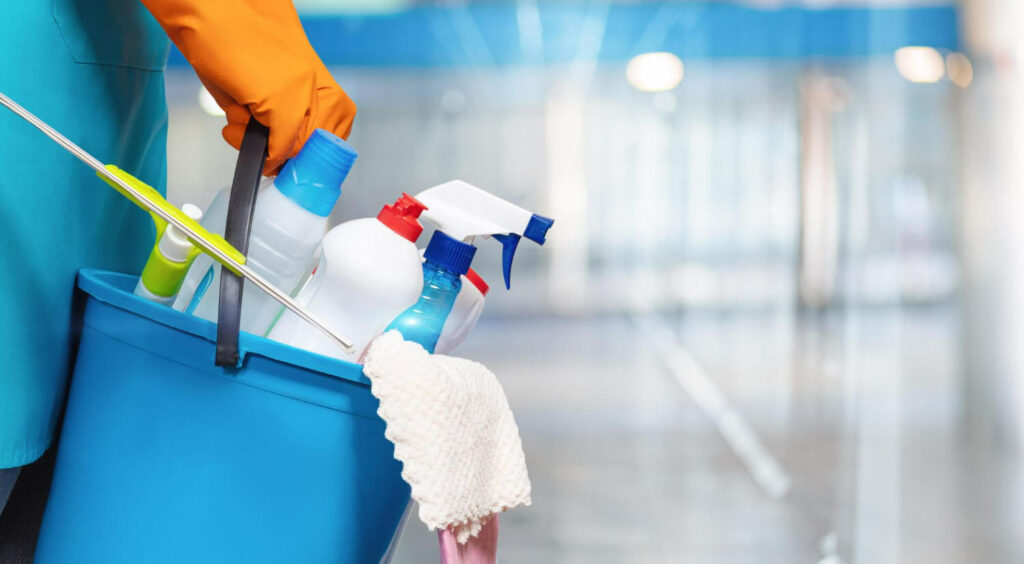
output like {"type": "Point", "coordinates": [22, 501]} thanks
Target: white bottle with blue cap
{"type": "Point", "coordinates": [288, 223]}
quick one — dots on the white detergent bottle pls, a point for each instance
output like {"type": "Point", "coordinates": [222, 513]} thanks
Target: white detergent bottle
{"type": "Point", "coordinates": [465, 313]}
{"type": "Point", "coordinates": [288, 223]}
{"type": "Point", "coordinates": [369, 272]}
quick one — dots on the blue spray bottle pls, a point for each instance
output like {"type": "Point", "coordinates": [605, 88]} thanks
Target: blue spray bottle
{"type": "Point", "coordinates": [445, 261]}
{"type": "Point", "coordinates": [461, 212]}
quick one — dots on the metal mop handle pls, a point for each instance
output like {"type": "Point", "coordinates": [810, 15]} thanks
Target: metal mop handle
{"type": "Point", "coordinates": [199, 240]}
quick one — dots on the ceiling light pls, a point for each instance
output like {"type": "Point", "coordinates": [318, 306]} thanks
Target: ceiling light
{"type": "Point", "coordinates": [655, 72]}
{"type": "Point", "coordinates": [920, 64]}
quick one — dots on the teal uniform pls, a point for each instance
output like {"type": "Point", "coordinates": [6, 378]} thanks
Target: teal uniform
{"type": "Point", "coordinates": [93, 69]}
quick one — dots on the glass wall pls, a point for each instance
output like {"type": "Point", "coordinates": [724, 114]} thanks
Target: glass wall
{"type": "Point", "coordinates": [745, 173]}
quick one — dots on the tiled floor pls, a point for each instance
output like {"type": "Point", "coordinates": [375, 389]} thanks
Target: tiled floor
{"type": "Point", "coordinates": [862, 409]}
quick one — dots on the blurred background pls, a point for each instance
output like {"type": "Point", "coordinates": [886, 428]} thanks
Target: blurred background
{"type": "Point", "coordinates": [780, 317]}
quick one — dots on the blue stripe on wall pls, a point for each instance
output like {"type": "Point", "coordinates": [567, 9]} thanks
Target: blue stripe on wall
{"type": "Point", "coordinates": [489, 33]}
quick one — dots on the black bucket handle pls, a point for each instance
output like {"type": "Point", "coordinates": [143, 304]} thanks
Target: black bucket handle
{"type": "Point", "coordinates": [252, 156]}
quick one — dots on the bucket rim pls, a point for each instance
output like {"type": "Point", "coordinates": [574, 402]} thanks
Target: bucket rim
{"type": "Point", "coordinates": [116, 289]}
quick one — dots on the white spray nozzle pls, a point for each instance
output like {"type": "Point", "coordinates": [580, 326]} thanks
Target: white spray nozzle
{"type": "Point", "coordinates": [463, 211]}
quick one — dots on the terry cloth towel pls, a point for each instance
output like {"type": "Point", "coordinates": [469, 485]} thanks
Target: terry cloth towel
{"type": "Point", "coordinates": [453, 432]}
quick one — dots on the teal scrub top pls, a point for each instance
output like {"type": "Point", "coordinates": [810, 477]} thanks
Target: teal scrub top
{"type": "Point", "coordinates": [93, 69]}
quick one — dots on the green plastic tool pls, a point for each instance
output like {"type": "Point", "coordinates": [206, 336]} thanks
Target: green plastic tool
{"type": "Point", "coordinates": [152, 199]}
{"type": "Point", "coordinates": [164, 274]}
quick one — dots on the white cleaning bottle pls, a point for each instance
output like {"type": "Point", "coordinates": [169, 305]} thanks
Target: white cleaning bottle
{"type": "Point", "coordinates": [369, 272]}
{"type": "Point", "coordinates": [289, 220]}
{"type": "Point", "coordinates": [468, 307]}
{"type": "Point", "coordinates": [168, 262]}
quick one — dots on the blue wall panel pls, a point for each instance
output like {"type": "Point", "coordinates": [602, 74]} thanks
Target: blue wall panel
{"type": "Point", "coordinates": [488, 33]}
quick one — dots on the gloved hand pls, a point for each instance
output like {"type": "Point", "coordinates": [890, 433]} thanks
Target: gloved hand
{"type": "Point", "coordinates": [256, 61]}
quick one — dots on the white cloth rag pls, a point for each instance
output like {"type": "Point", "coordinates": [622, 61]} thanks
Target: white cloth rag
{"type": "Point", "coordinates": [453, 432]}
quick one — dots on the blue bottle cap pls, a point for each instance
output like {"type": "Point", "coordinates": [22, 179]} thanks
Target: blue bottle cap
{"type": "Point", "coordinates": [452, 254]}
{"type": "Point", "coordinates": [313, 178]}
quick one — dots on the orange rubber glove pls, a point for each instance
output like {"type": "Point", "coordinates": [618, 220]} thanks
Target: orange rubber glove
{"type": "Point", "coordinates": [255, 60]}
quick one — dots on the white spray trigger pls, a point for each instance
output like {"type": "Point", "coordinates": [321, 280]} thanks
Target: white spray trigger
{"type": "Point", "coordinates": [463, 211]}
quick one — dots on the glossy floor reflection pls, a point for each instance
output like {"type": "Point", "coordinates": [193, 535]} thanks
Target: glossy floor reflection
{"type": "Point", "coordinates": [861, 408]}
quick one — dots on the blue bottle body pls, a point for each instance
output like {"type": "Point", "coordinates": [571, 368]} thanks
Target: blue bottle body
{"type": "Point", "coordinates": [423, 321]}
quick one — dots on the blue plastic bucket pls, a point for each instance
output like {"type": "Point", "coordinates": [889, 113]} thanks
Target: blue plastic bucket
{"type": "Point", "coordinates": [165, 457]}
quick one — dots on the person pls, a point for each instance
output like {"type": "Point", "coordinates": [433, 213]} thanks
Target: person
{"type": "Point", "coordinates": [94, 71]}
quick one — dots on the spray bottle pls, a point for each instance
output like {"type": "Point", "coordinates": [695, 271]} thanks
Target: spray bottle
{"type": "Point", "coordinates": [465, 313]}
{"type": "Point", "coordinates": [168, 263]}
{"type": "Point", "coordinates": [445, 261]}
{"type": "Point", "coordinates": [465, 212]}
{"type": "Point", "coordinates": [461, 213]}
